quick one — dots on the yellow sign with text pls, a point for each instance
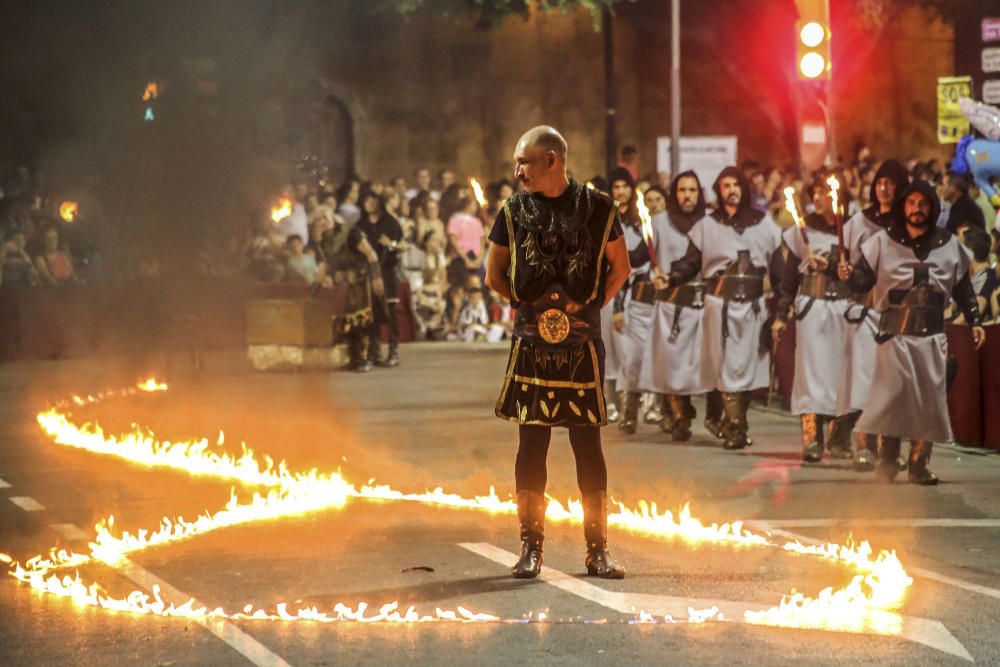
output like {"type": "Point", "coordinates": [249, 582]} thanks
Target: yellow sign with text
{"type": "Point", "coordinates": [951, 124]}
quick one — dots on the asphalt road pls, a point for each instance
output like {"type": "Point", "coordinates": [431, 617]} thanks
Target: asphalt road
{"type": "Point", "coordinates": [430, 423]}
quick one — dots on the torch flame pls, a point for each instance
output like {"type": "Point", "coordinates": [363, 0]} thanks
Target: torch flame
{"type": "Point", "coordinates": [477, 190]}
{"type": "Point", "coordinates": [281, 209]}
{"type": "Point", "coordinates": [647, 221]}
{"type": "Point", "coordinates": [834, 192]}
{"type": "Point", "coordinates": [152, 91]}
{"type": "Point", "coordinates": [871, 601]}
{"type": "Point", "coordinates": [791, 206]}
{"type": "Point", "coordinates": [68, 210]}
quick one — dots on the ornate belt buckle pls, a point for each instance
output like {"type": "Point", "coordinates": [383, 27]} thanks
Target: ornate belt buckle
{"type": "Point", "coordinates": [553, 326]}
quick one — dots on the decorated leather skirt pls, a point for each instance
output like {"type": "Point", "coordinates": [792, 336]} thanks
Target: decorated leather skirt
{"type": "Point", "coordinates": [554, 386]}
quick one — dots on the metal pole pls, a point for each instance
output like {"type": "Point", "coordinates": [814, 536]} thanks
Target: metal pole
{"type": "Point", "coordinates": [610, 139]}
{"type": "Point", "coordinates": [832, 138]}
{"type": "Point", "coordinates": [675, 87]}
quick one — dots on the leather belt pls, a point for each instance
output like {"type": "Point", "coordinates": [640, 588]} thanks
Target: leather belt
{"type": "Point", "coordinates": [822, 286]}
{"type": "Point", "coordinates": [689, 295]}
{"type": "Point", "coordinates": [915, 317]}
{"type": "Point", "coordinates": [644, 291]}
{"type": "Point", "coordinates": [739, 288]}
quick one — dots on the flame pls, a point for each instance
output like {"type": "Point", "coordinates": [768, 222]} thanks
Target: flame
{"type": "Point", "coordinates": [834, 192]}
{"type": "Point", "coordinates": [68, 210]}
{"type": "Point", "coordinates": [281, 209]}
{"type": "Point", "coordinates": [791, 206]}
{"type": "Point", "coordinates": [647, 220]}
{"type": "Point", "coordinates": [871, 600]}
{"type": "Point", "coordinates": [477, 190]}
{"type": "Point", "coordinates": [152, 91]}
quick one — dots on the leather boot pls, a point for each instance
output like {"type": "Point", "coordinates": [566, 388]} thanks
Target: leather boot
{"type": "Point", "coordinates": [683, 413]}
{"type": "Point", "coordinates": [595, 530]}
{"type": "Point", "coordinates": [531, 517]}
{"type": "Point", "coordinates": [374, 351]}
{"type": "Point", "coordinates": [392, 359]}
{"type": "Point", "coordinates": [838, 441]}
{"type": "Point", "coordinates": [631, 417]}
{"type": "Point", "coordinates": [812, 438]}
{"type": "Point", "coordinates": [920, 456]}
{"type": "Point", "coordinates": [611, 401]}
{"type": "Point", "coordinates": [714, 414]}
{"type": "Point", "coordinates": [735, 405]}
{"type": "Point", "coordinates": [887, 466]}
{"type": "Point", "coordinates": [654, 408]}
{"type": "Point", "coordinates": [864, 457]}
{"type": "Point", "coordinates": [355, 350]}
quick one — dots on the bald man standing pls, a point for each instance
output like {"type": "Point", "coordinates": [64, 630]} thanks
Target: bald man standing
{"type": "Point", "coordinates": [558, 254]}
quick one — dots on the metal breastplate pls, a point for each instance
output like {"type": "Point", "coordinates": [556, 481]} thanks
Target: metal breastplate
{"type": "Point", "coordinates": [740, 281]}
{"type": "Point", "coordinates": [918, 311]}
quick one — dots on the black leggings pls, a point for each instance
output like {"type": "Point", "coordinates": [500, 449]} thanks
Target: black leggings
{"type": "Point", "coordinates": [530, 472]}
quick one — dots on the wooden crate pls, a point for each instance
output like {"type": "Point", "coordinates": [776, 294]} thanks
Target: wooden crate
{"type": "Point", "coordinates": [305, 322]}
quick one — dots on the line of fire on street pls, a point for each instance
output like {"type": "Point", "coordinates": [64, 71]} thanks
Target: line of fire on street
{"type": "Point", "coordinates": [871, 602]}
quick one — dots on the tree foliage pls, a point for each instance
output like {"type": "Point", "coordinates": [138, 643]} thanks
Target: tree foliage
{"type": "Point", "coordinates": [488, 13]}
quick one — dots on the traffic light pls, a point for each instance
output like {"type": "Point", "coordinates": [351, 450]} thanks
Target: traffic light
{"type": "Point", "coordinates": [812, 40]}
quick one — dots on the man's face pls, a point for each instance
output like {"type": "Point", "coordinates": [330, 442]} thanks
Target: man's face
{"type": "Point", "coordinates": [917, 209]}
{"type": "Point", "coordinates": [295, 245]}
{"type": "Point", "coordinates": [533, 166]}
{"type": "Point", "coordinates": [447, 178]}
{"type": "Point", "coordinates": [424, 179]}
{"type": "Point", "coordinates": [655, 202]}
{"type": "Point", "coordinates": [621, 192]}
{"type": "Point", "coordinates": [732, 193]}
{"type": "Point", "coordinates": [822, 201]}
{"type": "Point", "coordinates": [885, 191]}
{"type": "Point", "coordinates": [399, 185]}
{"type": "Point", "coordinates": [506, 192]}
{"type": "Point", "coordinates": [371, 204]}
{"type": "Point", "coordinates": [687, 194]}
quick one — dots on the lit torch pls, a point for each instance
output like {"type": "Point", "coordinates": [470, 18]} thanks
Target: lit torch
{"type": "Point", "coordinates": [477, 191]}
{"type": "Point", "coordinates": [794, 210]}
{"type": "Point", "coordinates": [282, 209]}
{"type": "Point", "coordinates": [151, 92]}
{"type": "Point", "coordinates": [68, 210]}
{"type": "Point", "coordinates": [835, 196]}
{"type": "Point", "coordinates": [647, 227]}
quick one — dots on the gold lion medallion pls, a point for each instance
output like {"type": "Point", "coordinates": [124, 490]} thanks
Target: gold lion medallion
{"type": "Point", "coordinates": [553, 326]}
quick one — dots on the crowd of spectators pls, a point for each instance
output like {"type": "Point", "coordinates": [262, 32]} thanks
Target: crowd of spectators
{"type": "Point", "coordinates": [444, 225]}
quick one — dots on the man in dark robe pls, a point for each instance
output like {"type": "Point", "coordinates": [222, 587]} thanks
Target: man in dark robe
{"type": "Point", "coordinates": [557, 253]}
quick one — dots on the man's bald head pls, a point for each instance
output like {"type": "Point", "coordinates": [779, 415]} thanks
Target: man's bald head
{"type": "Point", "coordinates": [540, 160]}
{"type": "Point", "coordinates": [546, 138]}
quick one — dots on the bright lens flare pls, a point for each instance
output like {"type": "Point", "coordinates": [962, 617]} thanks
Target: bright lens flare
{"type": "Point", "coordinates": [870, 602]}
{"type": "Point", "coordinates": [68, 210]}
{"type": "Point", "coordinates": [812, 34]}
{"type": "Point", "coordinates": [812, 65]}
{"type": "Point", "coordinates": [477, 191]}
{"type": "Point", "coordinates": [281, 209]}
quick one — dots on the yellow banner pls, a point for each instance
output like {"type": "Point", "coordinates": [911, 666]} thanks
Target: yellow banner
{"type": "Point", "coordinates": [951, 124]}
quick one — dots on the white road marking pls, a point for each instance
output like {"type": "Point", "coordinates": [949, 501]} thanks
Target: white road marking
{"type": "Point", "coordinates": [27, 504]}
{"type": "Point", "coordinates": [880, 523]}
{"type": "Point", "coordinates": [3, 484]}
{"type": "Point", "coordinates": [69, 531]}
{"type": "Point", "coordinates": [918, 630]}
{"type": "Point", "coordinates": [240, 641]}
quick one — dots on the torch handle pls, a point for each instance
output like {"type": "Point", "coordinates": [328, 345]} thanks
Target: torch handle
{"type": "Point", "coordinates": [840, 238]}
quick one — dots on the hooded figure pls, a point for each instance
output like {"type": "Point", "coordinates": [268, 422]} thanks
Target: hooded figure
{"type": "Point", "coordinates": [819, 299]}
{"type": "Point", "coordinates": [733, 253]}
{"type": "Point", "coordinates": [863, 320]}
{"type": "Point", "coordinates": [745, 215]}
{"type": "Point", "coordinates": [671, 363]}
{"type": "Point", "coordinates": [681, 220]}
{"type": "Point", "coordinates": [911, 278]}
{"type": "Point", "coordinates": [896, 172]}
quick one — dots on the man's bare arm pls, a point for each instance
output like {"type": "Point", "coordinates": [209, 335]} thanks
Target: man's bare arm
{"type": "Point", "coordinates": [617, 255]}
{"type": "Point", "coordinates": [497, 264]}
